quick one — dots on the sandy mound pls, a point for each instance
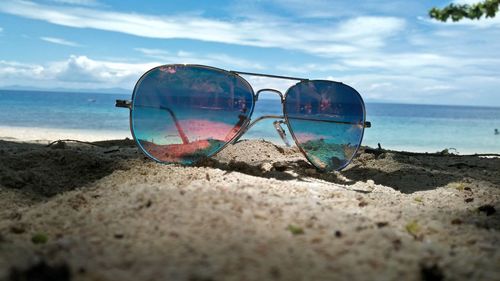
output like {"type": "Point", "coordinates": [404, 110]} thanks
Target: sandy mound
{"type": "Point", "coordinates": [256, 211]}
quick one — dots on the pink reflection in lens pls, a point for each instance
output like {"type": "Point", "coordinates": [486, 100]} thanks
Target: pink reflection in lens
{"type": "Point", "coordinates": [197, 129]}
{"type": "Point", "coordinates": [174, 152]}
{"type": "Point", "coordinates": [201, 134]}
{"type": "Point", "coordinates": [168, 69]}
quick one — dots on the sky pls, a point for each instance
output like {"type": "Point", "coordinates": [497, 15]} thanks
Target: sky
{"type": "Point", "coordinates": [390, 51]}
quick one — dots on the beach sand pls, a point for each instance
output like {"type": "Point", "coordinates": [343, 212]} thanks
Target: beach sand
{"type": "Point", "coordinates": [256, 211]}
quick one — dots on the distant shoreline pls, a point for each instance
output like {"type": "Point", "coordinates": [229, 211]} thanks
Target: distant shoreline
{"type": "Point", "coordinates": [70, 91]}
{"type": "Point", "coordinates": [128, 93]}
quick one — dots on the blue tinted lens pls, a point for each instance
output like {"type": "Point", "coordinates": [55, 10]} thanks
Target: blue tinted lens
{"type": "Point", "coordinates": [326, 120]}
{"type": "Point", "coordinates": [183, 113]}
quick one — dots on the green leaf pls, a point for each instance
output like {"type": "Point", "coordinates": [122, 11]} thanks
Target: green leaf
{"type": "Point", "coordinates": [414, 229]}
{"type": "Point", "coordinates": [295, 230]}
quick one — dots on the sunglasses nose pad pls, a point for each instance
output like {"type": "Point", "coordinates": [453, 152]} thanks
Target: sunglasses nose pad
{"type": "Point", "coordinates": [281, 131]}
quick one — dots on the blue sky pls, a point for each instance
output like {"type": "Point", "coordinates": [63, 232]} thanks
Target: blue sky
{"type": "Point", "coordinates": [387, 50]}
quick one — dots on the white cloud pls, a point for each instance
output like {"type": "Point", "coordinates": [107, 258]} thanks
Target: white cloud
{"type": "Point", "coordinates": [327, 39]}
{"type": "Point", "coordinates": [89, 3]}
{"type": "Point", "coordinates": [84, 69]}
{"type": "Point", "coordinates": [60, 41]}
{"type": "Point", "coordinates": [468, 2]}
{"type": "Point", "coordinates": [75, 72]}
{"type": "Point", "coordinates": [308, 68]}
{"type": "Point", "coordinates": [323, 9]}
{"type": "Point", "coordinates": [362, 28]}
{"type": "Point", "coordinates": [12, 70]}
{"type": "Point", "coordinates": [385, 58]}
{"type": "Point", "coordinates": [409, 88]}
{"type": "Point", "coordinates": [82, 72]}
{"type": "Point", "coordinates": [426, 86]}
{"type": "Point", "coordinates": [215, 59]}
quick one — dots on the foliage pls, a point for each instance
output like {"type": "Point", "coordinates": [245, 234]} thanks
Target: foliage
{"type": "Point", "coordinates": [488, 8]}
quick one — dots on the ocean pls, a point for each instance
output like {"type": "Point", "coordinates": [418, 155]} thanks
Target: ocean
{"type": "Point", "coordinates": [409, 127]}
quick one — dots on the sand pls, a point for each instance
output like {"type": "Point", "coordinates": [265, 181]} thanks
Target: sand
{"type": "Point", "coordinates": [256, 211]}
{"type": "Point", "coordinates": [43, 135]}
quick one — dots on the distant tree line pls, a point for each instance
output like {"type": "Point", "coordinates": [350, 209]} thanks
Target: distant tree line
{"type": "Point", "coordinates": [486, 8]}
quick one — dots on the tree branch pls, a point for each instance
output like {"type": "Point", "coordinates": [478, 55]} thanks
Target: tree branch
{"type": "Point", "coordinates": [487, 8]}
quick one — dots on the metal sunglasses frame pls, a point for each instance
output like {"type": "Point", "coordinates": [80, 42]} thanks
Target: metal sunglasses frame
{"type": "Point", "coordinates": [248, 123]}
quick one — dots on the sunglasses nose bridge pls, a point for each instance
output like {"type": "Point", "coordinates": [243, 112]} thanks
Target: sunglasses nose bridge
{"type": "Point", "coordinates": [282, 98]}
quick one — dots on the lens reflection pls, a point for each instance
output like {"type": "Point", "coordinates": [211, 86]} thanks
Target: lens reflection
{"type": "Point", "coordinates": [184, 113]}
{"type": "Point", "coordinates": [327, 121]}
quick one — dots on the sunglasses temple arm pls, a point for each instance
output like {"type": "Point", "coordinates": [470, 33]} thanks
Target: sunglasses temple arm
{"type": "Point", "coordinates": [184, 138]}
{"type": "Point", "coordinates": [367, 124]}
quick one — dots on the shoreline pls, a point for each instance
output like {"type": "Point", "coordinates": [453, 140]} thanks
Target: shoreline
{"type": "Point", "coordinates": [37, 134]}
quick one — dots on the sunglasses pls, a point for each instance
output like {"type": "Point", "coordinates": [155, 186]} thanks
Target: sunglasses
{"type": "Point", "coordinates": [184, 113]}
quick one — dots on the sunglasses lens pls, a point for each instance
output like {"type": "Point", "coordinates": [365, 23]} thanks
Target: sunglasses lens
{"type": "Point", "coordinates": [326, 120]}
{"type": "Point", "coordinates": [183, 113]}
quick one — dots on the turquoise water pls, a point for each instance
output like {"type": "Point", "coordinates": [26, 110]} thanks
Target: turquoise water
{"type": "Point", "coordinates": [395, 126]}
{"type": "Point", "coordinates": [434, 128]}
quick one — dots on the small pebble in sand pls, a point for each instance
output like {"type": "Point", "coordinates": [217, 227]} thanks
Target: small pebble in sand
{"type": "Point", "coordinates": [468, 200]}
{"type": "Point", "coordinates": [310, 172]}
{"type": "Point", "coordinates": [17, 229]}
{"type": "Point", "coordinates": [266, 167]}
{"type": "Point", "coordinates": [338, 234]}
{"type": "Point", "coordinates": [431, 273]}
{"type": "Point", "coordinates": [396, 243]}
{"type": "Point", "coordinates": [15, 215]}
{"type": "Point", "coordinates": [487, 209]}
{"type": "Point", "coordinates": [382, 224]}
{"type": "Point", "coordinates": [456, 221]}
{"type": "Point", "coordinates": [280, 166]}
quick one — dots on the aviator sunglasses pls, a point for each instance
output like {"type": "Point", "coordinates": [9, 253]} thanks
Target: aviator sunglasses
{"type": "Point", "coordinates": [184, 113]}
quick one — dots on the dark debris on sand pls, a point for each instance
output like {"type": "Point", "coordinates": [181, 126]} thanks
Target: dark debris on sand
{"type": "Point", "coordinates": [41, 272]}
